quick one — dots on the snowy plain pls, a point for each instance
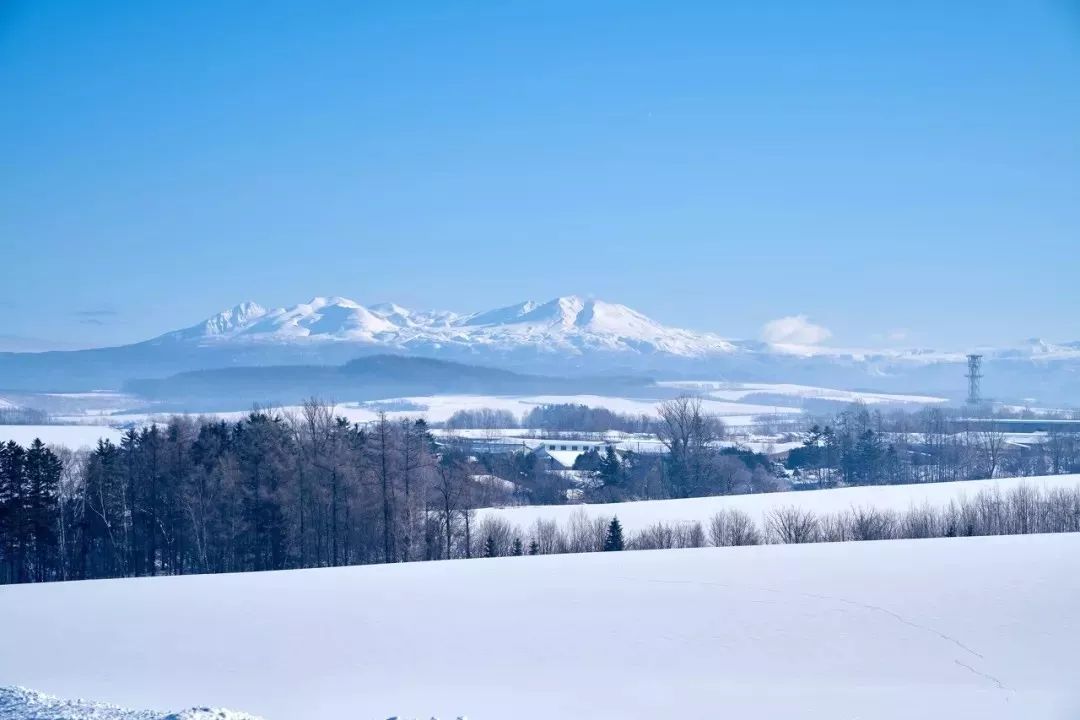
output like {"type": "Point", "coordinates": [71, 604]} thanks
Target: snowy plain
{"type": "Point", "coordinates": [951, 628]}
{"type": "Point", "coordinates": [439, 408]}
{"type": "Point", "coordinates": [734, 391]}
{"type": "Point", "coordinates": [639, 515]}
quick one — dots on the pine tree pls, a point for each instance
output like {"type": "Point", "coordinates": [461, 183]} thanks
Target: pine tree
{"type": "Point", "coordinates": [43, 471]}
{"type": "Point", "coordinates": [517, 549]}
{"type": "Point", "coordinates": [614, 539]}
{"type": "Point", "coordinates": [610, 467]}
{"type": "Point", "coordinates": [489, 547]}
{"type": "Point", "coordinates": [534, 547]}
{"type": "Point", "coordinates": [12, 512]}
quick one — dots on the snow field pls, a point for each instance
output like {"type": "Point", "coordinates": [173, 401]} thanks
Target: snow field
{"type": "Point", "coordinates": [954, 628]}
{"type": "Point", "coordinates": [72, 436]}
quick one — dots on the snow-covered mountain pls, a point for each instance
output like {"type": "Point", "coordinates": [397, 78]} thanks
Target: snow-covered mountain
{"type": "Point", "coordinates": [570, 325]}
{"type": "Point", "coordinates": [566, 336]}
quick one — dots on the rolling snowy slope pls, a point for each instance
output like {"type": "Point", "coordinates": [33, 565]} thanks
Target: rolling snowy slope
{"type": "Point", "coordinates": [636, 516]}
{"type": "Point", "coordinates": [957, 628]}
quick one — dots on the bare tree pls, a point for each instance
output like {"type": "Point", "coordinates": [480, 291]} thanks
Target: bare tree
{"type": "Point", "coordinates": [733, 527]}
{"type": "Point", "coordinates": [687, 432]}
{"type": "Point", "coordinates": [792, 524]}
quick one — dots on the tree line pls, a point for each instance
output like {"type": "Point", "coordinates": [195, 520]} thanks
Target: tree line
{"type": "Point", "coordinates": [861, 446]}
{"type": "Point", "coordinates": [1019, 511]}
{"type": "Point", "coordinates": [310, 489]}
{"type": "Point", "coordinates": [271, 491]}
{"type": "Point", "coordinates": [553, 417]}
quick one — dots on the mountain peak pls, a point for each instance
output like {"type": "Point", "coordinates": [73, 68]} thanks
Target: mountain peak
{"type": "Point", "coordinates": [235, 317]}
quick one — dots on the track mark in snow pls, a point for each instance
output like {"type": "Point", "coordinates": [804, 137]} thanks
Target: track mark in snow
{"type": "Point", "coordinates": [980, 673]}
{"type": "Point", "coordinates": [897, 616]}
{"type": "Point", "coordinates": [832, 598]}
{"type": "Point", "coordinates": [854, 603]}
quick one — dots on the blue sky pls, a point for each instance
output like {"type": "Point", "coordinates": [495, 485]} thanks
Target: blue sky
{"type": "Point", "coordinates": [900, 173]}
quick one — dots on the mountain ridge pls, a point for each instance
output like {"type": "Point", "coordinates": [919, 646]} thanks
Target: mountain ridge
{"type": "Point", "coordinates": [565, 336]}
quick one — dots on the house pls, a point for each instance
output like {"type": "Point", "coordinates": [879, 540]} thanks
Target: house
{"type": "Point", "coordinates": [562, 453]}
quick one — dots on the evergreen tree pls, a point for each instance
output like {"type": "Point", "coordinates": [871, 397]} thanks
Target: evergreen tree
{"type": "Point", "coordinates": [611, 467]}
{"type": "Point", "coordinates": [614, 539]}
{"type": "Point", "coordinates": [13, 514]}
{"type": "Point", "coordinates": [489, 547]}
{"type": "Point", "coordinates": [534, 547]}
{"type": "Point", "coordinates": [517, 549]}
{"type": "Point", "coordinates": [42, 506]}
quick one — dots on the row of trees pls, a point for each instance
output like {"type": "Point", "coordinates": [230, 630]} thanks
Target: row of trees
{"type": "Point", "coordinates": [552, 418]}
{"type": "Point", "coordinates": [860, 446]}
{"type": "Point", "coordinates": [269, 492]}
{"type": "Point", "coordinates": [1019, 511]}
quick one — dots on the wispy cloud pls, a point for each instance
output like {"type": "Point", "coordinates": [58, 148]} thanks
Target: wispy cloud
{"type": "Point", "coordinates": [794, 330]}
{"type": "Point", "coordinates": [96, 313]}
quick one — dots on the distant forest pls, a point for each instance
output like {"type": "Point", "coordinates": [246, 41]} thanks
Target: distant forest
{"type": "Point", "coordinates": [311, 489]}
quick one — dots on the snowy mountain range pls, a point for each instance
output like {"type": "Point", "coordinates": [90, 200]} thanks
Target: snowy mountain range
{"type": "Point", "coordinates": [565, 336]}
{"type": "Point", "coordinates": [566, 325]}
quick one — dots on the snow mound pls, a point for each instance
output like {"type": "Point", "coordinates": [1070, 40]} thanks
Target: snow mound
{"type": "Point", "coordinates": [18, 703]}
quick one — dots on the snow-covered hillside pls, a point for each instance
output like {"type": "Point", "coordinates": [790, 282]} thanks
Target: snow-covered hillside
{"type": "Point", "coordinates": [955, 628]}
{"type": "Point", "coordinates": [23, 704]}
{"type": "Point", "coordinates": [637, 516]}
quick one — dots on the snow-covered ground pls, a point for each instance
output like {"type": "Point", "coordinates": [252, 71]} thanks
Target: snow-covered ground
{"type": "Point", "coordinates": [439, 408]}
{"type": "Point", "coordinates": [72, 436]}
{"type": "Point", "coordinates": [636, 516]}
{"type": "Point", "coordinates": [722, 390]}
{"type": "Point", "coordinates": [23, 704]}
{"type": "Point", "coordinates": [953, 628]}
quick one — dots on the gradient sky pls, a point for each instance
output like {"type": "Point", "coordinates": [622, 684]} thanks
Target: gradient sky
{"type": "Point", "coordinates": [901, 173]}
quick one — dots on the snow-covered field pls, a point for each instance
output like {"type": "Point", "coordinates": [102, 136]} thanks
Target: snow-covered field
{"type": "Point", "coordinates": [722, 390]}
{"type": "Point", "coordinates": [955, 628]}
{"type": "Point", "coordinates": [72, 436]}
{"type": "Point", "coordinates": [439, 408]}
{"type": "Point", "coordinates": [636, 516]}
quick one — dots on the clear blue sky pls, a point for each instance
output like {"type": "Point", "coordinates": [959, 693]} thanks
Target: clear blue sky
{"type": "Point", "coordinates": [888, 169]}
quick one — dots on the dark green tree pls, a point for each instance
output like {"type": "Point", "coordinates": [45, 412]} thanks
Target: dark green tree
{"type": "Point", "coordinates": [42, 508]}
{"type": "Point", "coordinates": [614, 539]}
{"type": "Point", "coordinates": [611, 469]}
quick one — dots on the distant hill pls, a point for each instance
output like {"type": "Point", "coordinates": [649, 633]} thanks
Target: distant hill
{"type": "Point", "coordinates": [369, 378]}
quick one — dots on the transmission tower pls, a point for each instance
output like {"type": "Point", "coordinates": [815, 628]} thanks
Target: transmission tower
{"type": "Point", "coordinates": [974, 375]}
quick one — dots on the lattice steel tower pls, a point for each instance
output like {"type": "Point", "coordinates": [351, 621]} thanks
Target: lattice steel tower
{"type": "Point", "coordinates": [974, 375]}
